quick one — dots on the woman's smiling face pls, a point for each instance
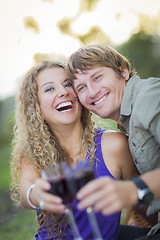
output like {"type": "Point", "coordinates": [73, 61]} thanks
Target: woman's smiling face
{"type": "Point", "coordinates": [57, 99]}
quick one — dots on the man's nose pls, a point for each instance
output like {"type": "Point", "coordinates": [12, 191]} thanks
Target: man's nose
{"type": "Point", "coordinates": [92, 90]}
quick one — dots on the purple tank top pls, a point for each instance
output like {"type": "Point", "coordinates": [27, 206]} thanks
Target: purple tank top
{"type": "Point", "coordinates": [108, 225]}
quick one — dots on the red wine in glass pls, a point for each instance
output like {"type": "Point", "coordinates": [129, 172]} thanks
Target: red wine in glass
{"type": "Point", "coordinates": [60, 188]}
{"type": "Point", "coordinates": [78, 179]}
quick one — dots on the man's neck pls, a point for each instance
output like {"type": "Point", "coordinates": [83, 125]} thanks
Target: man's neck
{"type": "Point", "coordinates": [120, 123]}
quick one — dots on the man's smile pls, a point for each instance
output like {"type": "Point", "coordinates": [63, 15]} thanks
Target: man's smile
{"type": "Point", "coordinates": [99, 100]}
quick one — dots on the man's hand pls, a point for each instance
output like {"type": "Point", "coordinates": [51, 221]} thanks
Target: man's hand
{"type": "Point", "coordinates": [107, 195]}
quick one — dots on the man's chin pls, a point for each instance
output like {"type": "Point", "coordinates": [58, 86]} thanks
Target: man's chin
{"type": "Point", "coordinates": [100, 114]}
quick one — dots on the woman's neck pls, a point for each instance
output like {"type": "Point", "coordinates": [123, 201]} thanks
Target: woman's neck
{"type": "Point", "coordinates": [70, 138]}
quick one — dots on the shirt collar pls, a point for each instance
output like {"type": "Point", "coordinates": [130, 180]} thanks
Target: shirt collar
{"type": "Point", "coordinates": [126, 105]}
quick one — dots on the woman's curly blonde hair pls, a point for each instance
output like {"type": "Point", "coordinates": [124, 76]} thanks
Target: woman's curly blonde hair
{"type": "Point", "coordinates": [35, 142]}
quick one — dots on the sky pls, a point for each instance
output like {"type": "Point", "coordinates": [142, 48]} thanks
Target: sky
{"type": "Point", "coordinates": [117, 18]}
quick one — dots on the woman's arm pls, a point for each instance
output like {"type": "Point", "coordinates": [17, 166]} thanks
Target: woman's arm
{"type": "Point", "coordinates": [117, 155]}
{"type": "Point", "coordinates": [30, 176]}
{"type": "Point", "coordinates": [106, 194]}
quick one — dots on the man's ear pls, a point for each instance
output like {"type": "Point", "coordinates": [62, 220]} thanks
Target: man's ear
{"type": "Point", "coordinates": [125, 74]}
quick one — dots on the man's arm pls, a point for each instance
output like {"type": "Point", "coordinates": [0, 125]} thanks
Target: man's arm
{"type": "Point", "coordinates": [152, 179]}
{"type": "Point", "coordinates": [109, 196]}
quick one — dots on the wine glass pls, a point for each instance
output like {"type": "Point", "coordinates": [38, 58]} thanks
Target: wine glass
{"type": "Point", "coordinates": [76, 178]}
{"type": "Point", "coordinates": [54, 175]}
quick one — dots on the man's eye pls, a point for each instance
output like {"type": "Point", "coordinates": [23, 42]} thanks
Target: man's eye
{"type": "Point", "coordinates": [98, 77]}
{"type": "Point", "coordinates": [49, 89]}
{"type": "Point", "coordinates": [80, 88]}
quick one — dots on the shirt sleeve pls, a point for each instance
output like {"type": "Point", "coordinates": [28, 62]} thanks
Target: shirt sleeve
{"type": "Point", "coordinates": [147, 109]}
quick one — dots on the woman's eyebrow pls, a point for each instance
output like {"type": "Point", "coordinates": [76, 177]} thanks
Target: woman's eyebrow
{"type": "Point", "coordinates": [66, 80]}
{"type": "Point", "coordinates": [46, 84]}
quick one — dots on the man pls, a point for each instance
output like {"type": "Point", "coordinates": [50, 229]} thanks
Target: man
{"type": "Point", "coordinates": [106, 85]}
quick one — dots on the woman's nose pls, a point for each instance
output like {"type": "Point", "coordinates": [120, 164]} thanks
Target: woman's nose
{"type": "Point", "coordinates": [62, 92]}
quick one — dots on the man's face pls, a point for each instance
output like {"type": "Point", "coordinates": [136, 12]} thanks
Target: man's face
{"type": "Point", "coordinates": [100, 90]}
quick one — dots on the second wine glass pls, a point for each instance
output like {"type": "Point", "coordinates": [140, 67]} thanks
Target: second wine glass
{"type": "Point", "coordinates": [76, 178]}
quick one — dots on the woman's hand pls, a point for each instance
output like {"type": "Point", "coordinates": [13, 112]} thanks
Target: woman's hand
{"type": "Point", "coordinates": [107, 195]}
{"type": "Point", "coordinates": [47, 201]}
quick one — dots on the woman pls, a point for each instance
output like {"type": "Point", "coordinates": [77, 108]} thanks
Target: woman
{"type": "Point", "coordinates": [52, 126]}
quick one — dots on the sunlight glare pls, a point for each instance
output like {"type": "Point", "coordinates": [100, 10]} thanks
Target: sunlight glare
{"type": "Point", "coordinates": [117, 19]}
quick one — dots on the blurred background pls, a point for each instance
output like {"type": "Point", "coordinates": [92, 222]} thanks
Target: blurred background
{"type": "Point", "coordinates": [34, 30]}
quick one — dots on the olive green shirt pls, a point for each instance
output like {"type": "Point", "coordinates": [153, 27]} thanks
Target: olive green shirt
{"type": "Point", "coordinates": [140, 116]}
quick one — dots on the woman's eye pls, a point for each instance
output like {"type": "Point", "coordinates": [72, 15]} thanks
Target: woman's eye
{"type": "Point", "coordinates": [68, 84]}
{"type": "Point", "coordinates": [49, 89]}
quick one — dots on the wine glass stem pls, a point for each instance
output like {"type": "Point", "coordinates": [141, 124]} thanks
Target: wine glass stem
{"type": "Point", "coordinates": [94, 224]}
{"type": "Point", "coordinates": [73, 224]}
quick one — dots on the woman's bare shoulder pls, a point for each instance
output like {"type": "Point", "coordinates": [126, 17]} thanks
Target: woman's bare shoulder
{"type": "Point", "coordinates": [114, 138]}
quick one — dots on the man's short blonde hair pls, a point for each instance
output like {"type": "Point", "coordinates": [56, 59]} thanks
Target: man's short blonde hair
{"type": "Point", "coordinates": [95, 56]}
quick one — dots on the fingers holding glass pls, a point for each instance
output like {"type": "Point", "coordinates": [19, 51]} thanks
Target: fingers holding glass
{"type": "Point", "coordinates": [46, 200]}
{"type": "Point", "coordinates": [103, 195]}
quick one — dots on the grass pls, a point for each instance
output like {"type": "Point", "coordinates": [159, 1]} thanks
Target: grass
{"type": "Point", "coordinates": [5, 151]}
{"type": "Point", "coordinates": [19, 226]}
{"type": "Point", "coordinates": [15, 223]}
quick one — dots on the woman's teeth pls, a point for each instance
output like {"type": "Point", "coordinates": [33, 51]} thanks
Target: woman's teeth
{"type": "Point", "coordinates": [64, 106]}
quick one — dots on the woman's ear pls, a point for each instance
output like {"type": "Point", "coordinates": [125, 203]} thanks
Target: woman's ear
{"type": "Point", "coordinates": [125, 74]}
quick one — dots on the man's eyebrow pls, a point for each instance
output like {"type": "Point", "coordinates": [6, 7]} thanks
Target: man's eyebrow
{"type": "Point", "coordinates": [95, 73]}
{"type": "Point", "coordinates": [77, 84]}
{"type": "Point", "coordinates": [92, 76]}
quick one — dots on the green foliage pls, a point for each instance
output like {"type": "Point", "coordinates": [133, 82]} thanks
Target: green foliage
{"type": "Point", "coordinates": [6, 119]}
{"type": "Point", "coordinates": [31, 23]}
{"type": "Point", "coordinates": [39, 57]}
{"type": "Point", "coordinates": [88, 5]}
{"type": "Point", "coordinates": [94, 35]}
{"type": "Point", "coordinates": [15, 223]}
{"type": "Point", "coordinates": [19, 225]}
{"type": "Point", "coordinates": [143, 51]}
{"type": "Point", "coordinates": [5, 154]}
{"type": "Point", "coordinates": [149, 25]}
{"type": "Point", "coordinates": [65, 25]}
